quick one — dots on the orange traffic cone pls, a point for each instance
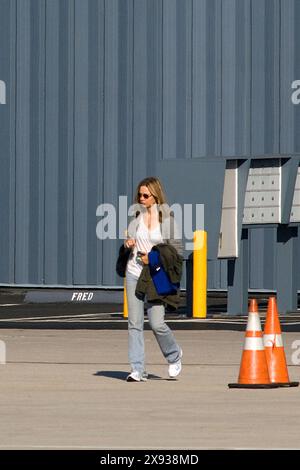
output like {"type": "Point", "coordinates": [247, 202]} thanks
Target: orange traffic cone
{"type": "Point", "coordinates": [254, 369]}
{"type": "Point", "coordinates": [275, 354]}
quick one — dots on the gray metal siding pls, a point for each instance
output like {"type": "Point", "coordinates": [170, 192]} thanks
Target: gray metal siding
{"type": "Point", "coordinates": [262, 255]}
{"type": "Point", "coordinates": [206, 78]}
{"type": "Point", "coordinates": [7, 136]}
{"type": "Point", "coordinates": [236, 77]}
{"type": "Point", "coordinates": [289, 71]}
{"type": "Point", "coordinates": [265, 77]}
{"type": "Point", "coordinates": [100, 91]}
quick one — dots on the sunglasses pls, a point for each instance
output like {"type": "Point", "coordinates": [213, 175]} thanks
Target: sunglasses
{"type": "Point", "coordinates": [145, 196]}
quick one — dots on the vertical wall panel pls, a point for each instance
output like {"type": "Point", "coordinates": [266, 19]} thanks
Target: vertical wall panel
{"type": "Point", "coordinates": [65, 206]}
{"type": "Point", "coordinates": [265, 77]}
{"type": "Point", "coordinates": [270, 258]}
{"type": "Point", "coordinates": [154, 84]}
{"type": "Point", "coordinates": [95, 155]}
{"type": "Point", "coordinates": [7, 139]}
{"type": "Point", "coordinates": [29, 174]}
{"type": "Point", "coordinates": [272, 77]}
{"type": "Point", "coordinates": [147, 87]}
{"type": "Point", "coordinates": [262, 254]}
{"type": "Point", "coordinates": [177, 52]}
{"type": "Point", "coordinates": [236, 79]}
{"type": "Point", "coordinates": [287, 131]}
{"type": "Point", "coordinates": [169, 78]}
{"type": "Point", "coordinates": [183, 30]}
{"type": "Point", "coordinates": [140, 79]}
{"type": "Point", "coordinates": [125, 118]}
{"type": "Point", "coordinates": [37, 141]}
{"type": "Point", "coordinates": [290, 71]}
{"type": "Point", "coordinates": [59, 142]}
{"type": "Point", "coordinates": [206, 78]}
{"type": "Point", "coordinates": [23, 112]}
{"type": "Point", "coordinates": [67, 123]}
{"type": "Point", "coordinates": [51, 142]}
{"type": "Point", "coordinates": [258, 77]}
{"type": "Point", "coordinates": [81, 156]}
{"type": "Point", "coordinates": [199, 83]}
{"type": "Point", "coordinates": [256, 254]}
{"type": "Point", "coordinates": [111, 109]}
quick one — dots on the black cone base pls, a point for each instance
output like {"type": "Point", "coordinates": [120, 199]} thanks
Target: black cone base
{"type": "Point", "coordinates": [253, 385]}
{"type": "Point", "coordinates": [286, 384]}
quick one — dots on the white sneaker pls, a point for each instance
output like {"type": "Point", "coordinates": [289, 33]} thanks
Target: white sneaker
{"type": "Point", "coordinates": [175, 368]}
{"type": "Point", "coordinates": [135, 376]}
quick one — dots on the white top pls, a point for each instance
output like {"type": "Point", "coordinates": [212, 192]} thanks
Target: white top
{"type": "Point", "coordinates": [145, 240]}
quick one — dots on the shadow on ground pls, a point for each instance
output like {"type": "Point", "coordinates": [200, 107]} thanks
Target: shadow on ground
{"type": "Point", "coordinates": [121, 375]}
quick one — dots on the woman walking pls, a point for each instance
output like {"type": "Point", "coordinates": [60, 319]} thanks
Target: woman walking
{"type": "Point", "coordinates": [154, 226]}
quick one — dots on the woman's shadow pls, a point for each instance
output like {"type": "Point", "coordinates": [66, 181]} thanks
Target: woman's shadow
{"type": "Point", "coordinates": [121, 375]}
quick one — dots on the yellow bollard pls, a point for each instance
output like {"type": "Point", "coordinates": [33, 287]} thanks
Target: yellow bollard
{"type": "Point", "coordinates": [125, 305]}
{"type": "Point", "coordinates": [200, 274]}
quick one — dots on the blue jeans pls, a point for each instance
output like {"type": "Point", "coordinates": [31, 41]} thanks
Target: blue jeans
{"type": "Point", "coordinates": [156, 317]}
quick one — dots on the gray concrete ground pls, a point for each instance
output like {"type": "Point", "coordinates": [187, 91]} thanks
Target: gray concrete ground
{"type": "Point", "coordinates": [67, 389]}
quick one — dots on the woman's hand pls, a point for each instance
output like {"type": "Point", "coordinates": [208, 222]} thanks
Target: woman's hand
{"type": "Point", "coordinates": [130, 243]}
{"type": "Point", "coordinates": [145, 259]}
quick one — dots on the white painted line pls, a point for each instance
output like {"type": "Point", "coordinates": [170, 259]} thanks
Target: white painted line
{"type": "Point", "coordinates": [9, 305]}
{"type": "Point", "coordinates": [50, 317]}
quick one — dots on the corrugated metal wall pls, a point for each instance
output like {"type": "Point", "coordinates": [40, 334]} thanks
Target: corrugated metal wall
{"type": "Point", "coordinates": [99, 90]}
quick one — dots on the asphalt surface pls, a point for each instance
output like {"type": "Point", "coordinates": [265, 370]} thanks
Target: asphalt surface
{"type": "Point", "coordinates": [65, 389]}
{"type": "Point", "coordinates": [63, 381]}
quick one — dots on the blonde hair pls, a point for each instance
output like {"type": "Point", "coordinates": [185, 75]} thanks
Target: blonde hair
{"type": "Point", "coordinates": [155, 187]}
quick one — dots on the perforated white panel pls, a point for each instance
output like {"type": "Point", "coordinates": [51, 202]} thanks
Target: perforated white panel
{"type": "Point", "coordinates": [263, 193]}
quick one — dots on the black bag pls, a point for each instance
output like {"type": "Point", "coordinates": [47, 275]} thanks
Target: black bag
{"type": "Point", "coordinates": [122, 260]}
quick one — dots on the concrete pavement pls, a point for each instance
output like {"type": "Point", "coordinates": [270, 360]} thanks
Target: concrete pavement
{"type": "Point", "coordinates": [66, 389]}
